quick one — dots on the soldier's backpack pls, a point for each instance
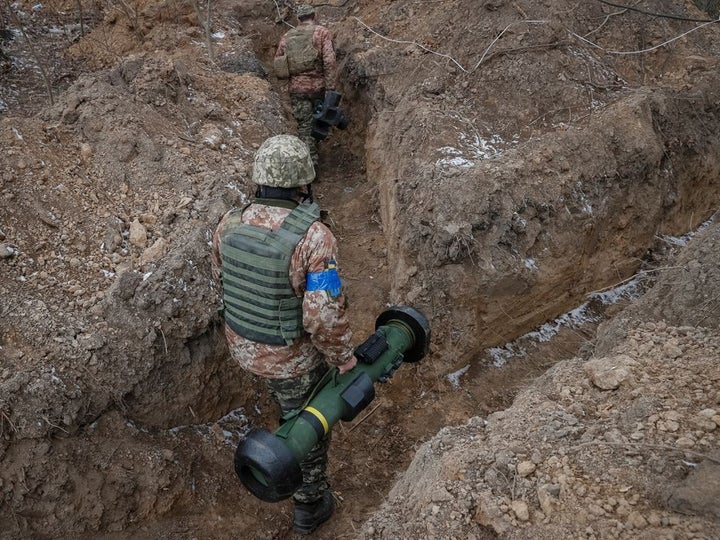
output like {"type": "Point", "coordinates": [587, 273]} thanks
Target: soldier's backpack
{"type": "Point", "coordinates": [280, 66]}
{"type": "Point", "coordinates": [301, 55]}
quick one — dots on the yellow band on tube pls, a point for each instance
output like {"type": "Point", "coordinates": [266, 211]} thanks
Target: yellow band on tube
{"type": "Point", "coordinates": [317, 414]}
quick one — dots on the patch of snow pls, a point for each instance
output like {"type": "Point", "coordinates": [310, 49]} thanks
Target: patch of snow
{"type": "Point", "coordinates": [685, 238]}
{"type": "Point", "coordinates": [53, 376]}
{"type": "Point", "coordinates": [454, 378]}
{"type": "Point", "coordinates": [631, 289]}
{"type": "Point", "coordinates": [146, 275]}
{"type": "Point", "coordinates": [472, 146]}
{"type": "Point", "coordinates": [582, 314]}
{"type": "Point", "coordinates": [211, 139]}
{"type": "Point", "coordinates": [233, 427]}
{"type": "Point", "coordinates": [455, 162]}
{"type": "Point", "coordinates": [530, 264]}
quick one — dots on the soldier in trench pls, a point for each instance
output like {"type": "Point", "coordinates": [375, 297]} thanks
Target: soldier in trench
{"type": "Point", "coordinates": [288, 324]}
{"type": "Point", "coordinates": [306, 56]}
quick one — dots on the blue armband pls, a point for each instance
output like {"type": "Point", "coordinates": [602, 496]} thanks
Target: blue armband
{"type": "Point", "coordinates": [327, 280]}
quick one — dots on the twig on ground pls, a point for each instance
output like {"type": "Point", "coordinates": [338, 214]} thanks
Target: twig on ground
{"type": "Point", "coordinates": [405, 42]}
{"type": "Point", "coordinates": [164, 340]}
{"type": "Point", "coordinates": [649, 446]}
{"type": "Point", "coordinates": [641, 272]}
{"type": "Point", "coordinates": [364, 417]}
{"type": "Point", "coordinates": [4, 418]}
{"type": "Point", "coordinates": [277, 7]}
{"type": "Point", "coordinates": [54, 425]}
{"type": "Point", "coordinates": [588, 42]}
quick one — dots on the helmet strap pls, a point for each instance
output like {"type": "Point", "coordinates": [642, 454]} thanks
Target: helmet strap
{"type": "Point", "coordinates": [307, 196]}
{"type": "Point", "coordinates": [290, 194]}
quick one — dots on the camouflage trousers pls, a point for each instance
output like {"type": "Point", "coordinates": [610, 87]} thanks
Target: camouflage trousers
{"type": "Point", "coordinates": [291, 394]}
{"type": "Point", "coordinates": [303, 106]}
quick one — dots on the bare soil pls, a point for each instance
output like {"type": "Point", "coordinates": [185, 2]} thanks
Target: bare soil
{"type": "Point", "coordinates": [505, 161]}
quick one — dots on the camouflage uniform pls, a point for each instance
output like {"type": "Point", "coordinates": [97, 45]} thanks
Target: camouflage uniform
{"type": "Point", "coordinates": [291, 394]}
{"type": "Point", "coordinates": [307, 88]}
{"type": "Point", "coordinates": [292, 371]}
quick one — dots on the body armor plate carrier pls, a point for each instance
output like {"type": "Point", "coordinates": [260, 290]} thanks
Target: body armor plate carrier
{"type": "Point", "coordinates": [260, 303]}
{"type": "Point", "coordinates": [301, 55]}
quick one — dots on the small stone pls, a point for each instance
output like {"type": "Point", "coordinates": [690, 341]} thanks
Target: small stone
{"type": "Point", "coordinates": [608, 373]}
{"type": "Point", "coordinates": [525, 468]}
{"type": "Point", "coordinates": [154, 252]}
{"type": "Point", "coordinates": [86, 151]}
{"type": "Point", "coordinates": [668, 425]}
{"type": "Point", "coordinates": [636, 520]}
{"type": "Point", "coordinates": [441, 495]}
{"type": "Point", "coordinates": [685, 442]}
{"type": "Point", "coordinates": [212, 136]}
{"type": "Point", "coordinates": [520, 508]}
{"type": "Point", "coordinates": [546, 498]}
{"type": "Point", "coordinates": [138, 234]}
{"type": "Point", "coordinates": [671, 350]}
{"type": "Point", "coordinates": [704, 423]}
{"type": "Point", "coordinates": [6, 251]}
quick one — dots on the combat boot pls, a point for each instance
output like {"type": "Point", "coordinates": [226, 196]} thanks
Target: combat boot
{"type": "Point", "coordinates": [310, 516]}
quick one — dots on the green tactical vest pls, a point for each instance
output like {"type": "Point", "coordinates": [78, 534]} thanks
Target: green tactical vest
{"type": "Point", "coordinates": [260, 303]}
{"type": "Point", "coordinates": [301, 55]}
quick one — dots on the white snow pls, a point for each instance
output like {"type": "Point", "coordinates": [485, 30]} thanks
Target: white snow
{"type": "Point", "coordinates": [454, 377]}
{"type": "Point", "coordinates": [574, 318]}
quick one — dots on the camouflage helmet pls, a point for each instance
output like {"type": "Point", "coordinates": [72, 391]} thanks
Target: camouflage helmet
{"type": "Point", "coordinates": [283, 161]}
{"type": "Point", "coordinates": [305, 10]}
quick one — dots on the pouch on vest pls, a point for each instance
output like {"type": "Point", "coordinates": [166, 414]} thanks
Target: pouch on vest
{"type": "Point", "coordinates": [280, 66]}
{"type": "Point", "coordinates": [301, 55]}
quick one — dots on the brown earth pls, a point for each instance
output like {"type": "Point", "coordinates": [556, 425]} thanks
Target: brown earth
{"type": "Point", "coordinates": [503, 162]}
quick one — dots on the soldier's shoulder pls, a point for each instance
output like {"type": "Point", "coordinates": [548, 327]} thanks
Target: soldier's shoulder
{"type": "Point", "coordinates": [323, 31]}
{"type": "Point", "coordinates": [320, 234]}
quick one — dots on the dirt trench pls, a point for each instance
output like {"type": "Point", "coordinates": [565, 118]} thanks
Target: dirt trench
{"type": "Point", "coordinates": [156, 461]}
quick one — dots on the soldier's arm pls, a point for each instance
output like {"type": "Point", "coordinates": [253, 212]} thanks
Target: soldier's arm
{"type": "Point", "coordinates": [327, 51]}
{"type": "Point", "coordinates": [324, 307]}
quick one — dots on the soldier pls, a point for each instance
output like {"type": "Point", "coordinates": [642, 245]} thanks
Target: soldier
{"type": "Point", "coordinates": [306, 56]}
{"type": "Point", "coordinates": [284, 307]}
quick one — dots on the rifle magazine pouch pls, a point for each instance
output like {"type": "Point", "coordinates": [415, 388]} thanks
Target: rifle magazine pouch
{"type": "Point", "coordinates": [280, 66]}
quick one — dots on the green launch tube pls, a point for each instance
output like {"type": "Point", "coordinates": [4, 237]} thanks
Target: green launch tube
{"type": "Point", "coordinates": [268, 464]}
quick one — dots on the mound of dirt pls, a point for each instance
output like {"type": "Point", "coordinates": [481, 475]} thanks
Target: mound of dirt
{"type": "Point", "coordinates": [621, 445]}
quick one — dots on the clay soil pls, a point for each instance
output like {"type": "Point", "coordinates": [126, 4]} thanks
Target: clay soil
{"type": "Point", "coordinates": [128, 128]}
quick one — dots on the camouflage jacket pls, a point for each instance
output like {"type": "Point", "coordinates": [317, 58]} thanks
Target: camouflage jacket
{"type": "Point", "coordinates": [328, 335]}
{"type": "Point", "coordinates": [315, 82]}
